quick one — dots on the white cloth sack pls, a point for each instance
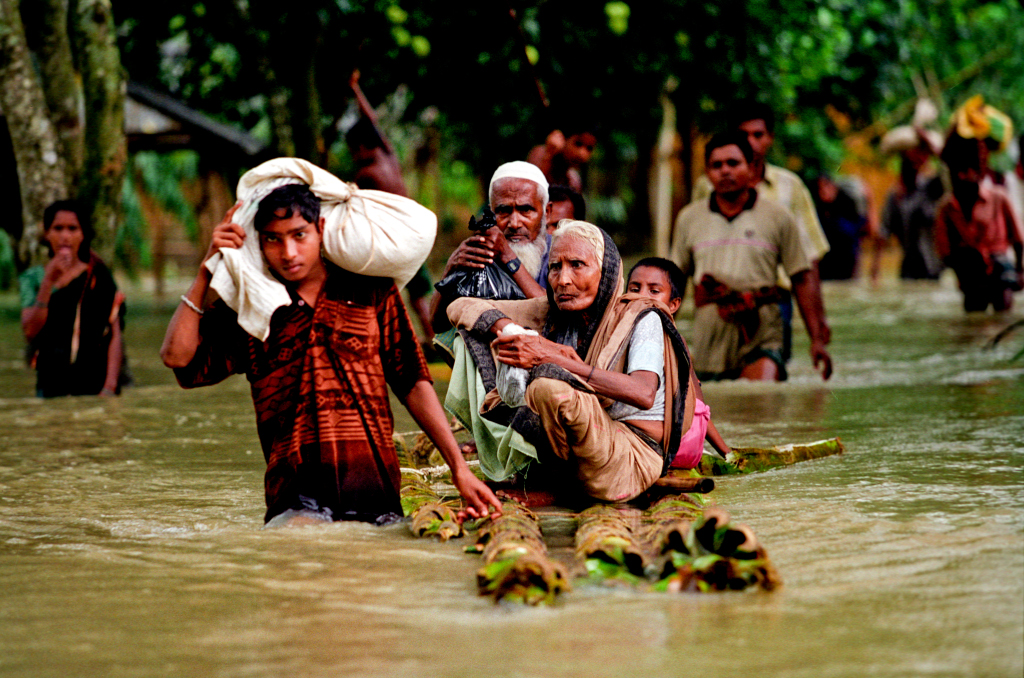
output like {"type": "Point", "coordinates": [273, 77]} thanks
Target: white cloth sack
{"type": "Point", "coordinates": [368, 232]}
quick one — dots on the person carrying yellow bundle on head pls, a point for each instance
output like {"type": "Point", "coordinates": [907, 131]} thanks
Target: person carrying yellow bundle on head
{"type": "Point", "coordinates": [977, 120]}
{"type": "Point", "coordinates": [993, 129]}
{"type": "Point", "coordinates": [976, 227]}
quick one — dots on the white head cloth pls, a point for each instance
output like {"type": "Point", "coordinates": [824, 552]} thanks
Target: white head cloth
{"type": "Point", "coordinates": [368, 232]}
{"type": "Point", "coordinates": [905, 137]}
{"type": "Point", "coordinates": [519, 169]}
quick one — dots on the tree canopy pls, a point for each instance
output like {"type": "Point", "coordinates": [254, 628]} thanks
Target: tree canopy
{"type": "Point", "coordinates": [493, 79]}
{"type": "Point", "coordinates": [280, 70]}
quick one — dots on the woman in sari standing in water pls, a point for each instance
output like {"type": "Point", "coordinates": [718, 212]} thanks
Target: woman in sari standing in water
{"type": "Point", "coordinates": [72, 311]}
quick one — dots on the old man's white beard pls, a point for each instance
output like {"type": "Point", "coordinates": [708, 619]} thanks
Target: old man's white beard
{"type": "Point", "coordinates": [532, 253]}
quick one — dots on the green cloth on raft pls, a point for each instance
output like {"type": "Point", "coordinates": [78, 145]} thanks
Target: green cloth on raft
{"type": "Point", "coordinates": [502, 451]}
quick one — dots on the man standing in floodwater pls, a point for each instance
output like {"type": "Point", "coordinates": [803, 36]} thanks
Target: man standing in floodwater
{"type": "Point", "coordinates": [732, 244]}
{"type": "Point", "coordinates": [757, 122]}
{"type": "Point", "coordinates": [319, 382]}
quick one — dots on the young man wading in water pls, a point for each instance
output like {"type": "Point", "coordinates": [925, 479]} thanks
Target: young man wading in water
{"type": "Point", "coordinates": [319, 382]}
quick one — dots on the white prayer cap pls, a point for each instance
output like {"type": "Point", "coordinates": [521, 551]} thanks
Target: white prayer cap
{"type": "Point", "coordinates": [519, 169]}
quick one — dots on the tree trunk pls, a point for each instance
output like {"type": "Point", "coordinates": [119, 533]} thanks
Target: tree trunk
{"type": "Point", "coordinates": [46, 29]}
{"type": "Point", "coordinates": [661, 185]}
{"type": "Point", "coordinates": [252, 22]}
{"type": "Point", "coordinates": [304, 105]}
{"type": "Point", "coordinates": [295, 64]}
{"type": "Point", "coordinates": [106, 149]}
{"type": "Point", "coordinates": [41, 173]}
{"type": "Point", "coordinates": [156, 219]}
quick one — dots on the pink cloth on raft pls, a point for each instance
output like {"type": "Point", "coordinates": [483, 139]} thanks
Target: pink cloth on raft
{"type": "Point", "coordinates": [691, 447]}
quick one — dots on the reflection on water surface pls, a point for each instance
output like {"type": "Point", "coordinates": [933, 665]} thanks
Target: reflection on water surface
{"type": "Point", "coordinates": [130, 540]}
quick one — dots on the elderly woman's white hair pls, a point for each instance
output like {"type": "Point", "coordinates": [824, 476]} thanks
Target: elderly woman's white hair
{"type": "Point", "coordinates": [582, 230]}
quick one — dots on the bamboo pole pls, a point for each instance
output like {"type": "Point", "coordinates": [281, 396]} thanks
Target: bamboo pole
{"type": "Point", "coordinates": [881, 125]}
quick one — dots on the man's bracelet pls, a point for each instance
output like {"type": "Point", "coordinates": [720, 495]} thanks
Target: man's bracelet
{"type": "Point", "coordinates": [591, 373]}
{"type": "Point", "coordinates": [41, 304]}
{"type": "Point", "coordinates": [188, 302]}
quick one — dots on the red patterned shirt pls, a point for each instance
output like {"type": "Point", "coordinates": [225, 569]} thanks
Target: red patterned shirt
{"type": "Point", "coordinates": [990, 230]}
{"type": "Point", "coordinates": [319, 385]}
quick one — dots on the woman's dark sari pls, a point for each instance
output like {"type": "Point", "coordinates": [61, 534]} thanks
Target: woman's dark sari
{"type": "Point", "coordinates": [71, 349]}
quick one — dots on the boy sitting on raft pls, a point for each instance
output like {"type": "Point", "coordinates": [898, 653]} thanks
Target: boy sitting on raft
{"type": "Point", "coordinates": [661, 279]}
{"type": "Point", "coordinates": [319, 382]}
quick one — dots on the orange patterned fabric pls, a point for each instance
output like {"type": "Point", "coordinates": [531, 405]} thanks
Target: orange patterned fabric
{"type": "Point", "coordinates": [319, 386]}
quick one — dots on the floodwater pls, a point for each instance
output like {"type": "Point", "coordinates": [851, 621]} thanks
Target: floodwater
{"type": "Point", "coordinates": [131, 540]}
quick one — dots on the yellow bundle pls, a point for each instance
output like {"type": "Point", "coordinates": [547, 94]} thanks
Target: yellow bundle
{"type": "Point", "coordinates": [977, 120]}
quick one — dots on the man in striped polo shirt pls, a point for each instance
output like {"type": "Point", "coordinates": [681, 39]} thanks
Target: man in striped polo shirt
{"type": "Point", "coordinates": [732, 244]}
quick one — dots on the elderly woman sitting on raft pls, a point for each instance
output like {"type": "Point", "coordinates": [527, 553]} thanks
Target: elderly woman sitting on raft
{"type": "Point", "coordinates": [599, 380]}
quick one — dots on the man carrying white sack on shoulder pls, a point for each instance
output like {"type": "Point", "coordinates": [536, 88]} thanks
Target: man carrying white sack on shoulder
{"type": "Point", "coordinates": [319, 363]}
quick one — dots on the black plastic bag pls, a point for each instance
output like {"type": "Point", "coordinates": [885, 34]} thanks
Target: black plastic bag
{"type": "Point", "coordinates": [490, 282]}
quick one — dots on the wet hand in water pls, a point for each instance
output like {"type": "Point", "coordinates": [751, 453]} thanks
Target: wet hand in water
{"type": "Point", "coordinates": [479, 499]}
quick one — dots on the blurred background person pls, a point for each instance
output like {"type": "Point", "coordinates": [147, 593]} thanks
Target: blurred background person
{"type": "Point", "coordinates": [976, 227]}
{"type": "Point", "coordinates": [72, 311]}
{"type": "Point", "coordinates": [1015, 181]}
{"type": "Point", "coordinates": [564, 203]}
{"type": "Point", "coordinates": [378, 168]}
{"type": "Point", "coordinates": [909, 211]}
{"type": "Point", "coordinates": [564, 154]}
{"type": "Point", "coordinates": [844, 226]}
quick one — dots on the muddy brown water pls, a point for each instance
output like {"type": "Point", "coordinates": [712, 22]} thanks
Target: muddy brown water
{"type": "Point", "coordinates": [130, 540]}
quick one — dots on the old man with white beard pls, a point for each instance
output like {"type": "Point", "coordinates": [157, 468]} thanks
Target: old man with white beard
{"type": "Point", "coordinates": [518, 196]}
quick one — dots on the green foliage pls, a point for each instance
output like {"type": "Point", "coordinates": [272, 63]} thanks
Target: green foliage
{"type": "Point", "coordinates": [8, 269]}
{"type": "Point", "coordinates": [618, 17]}
{"type": "Point", "coordinates": [868, 58]}
{"type": "Point", "coordinates": [396, 14]}
{"type": "Point", "coordinates": [159, 175]}
{"type": "Point", "coordinates": [131, 247]}
{"type": "Point", "coordinates": [460, 185]}
{"type": "Point", "coordinates": [819, 64]}
{"type": "Point", "coordinates": [600, 571]}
